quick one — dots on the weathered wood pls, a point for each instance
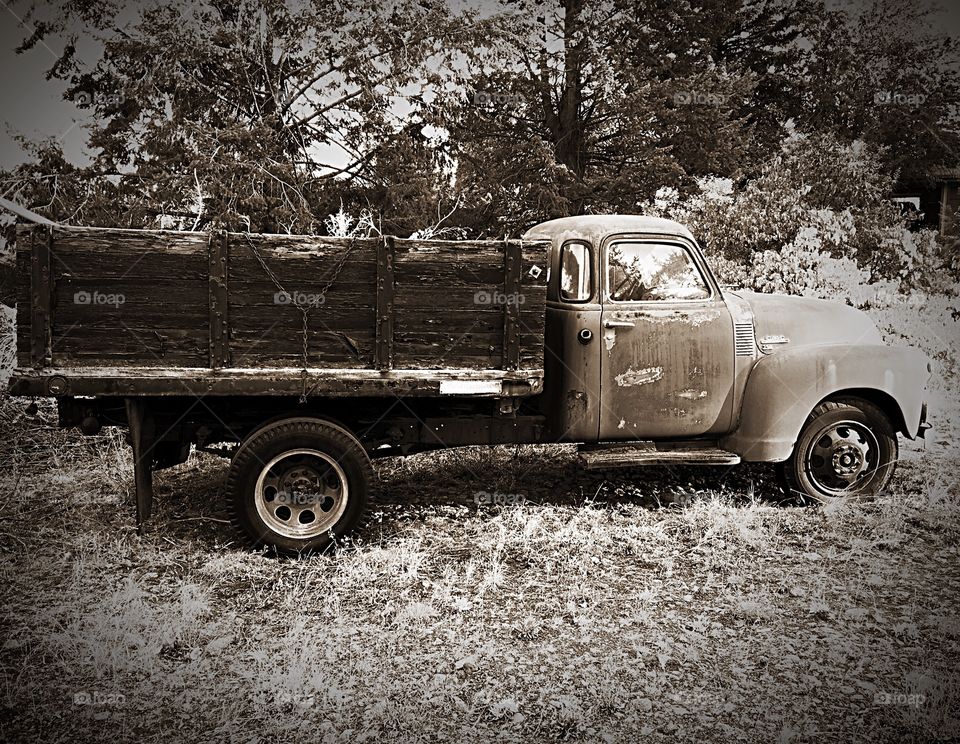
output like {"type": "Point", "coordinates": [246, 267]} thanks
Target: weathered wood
{"type": "Point", "coordinates": [511, 314]}
{"type": "Point", "coordinates": [383, 358]}
{"type": "Point", "coordinates": [286, 381]}
{"type": "Point", "coordinates": [150, 345]}
{"type": "Point", "coordinates": [24, 312]}
{"type": "Point", "coordinates": [141, 438]}
{"type": "Point", "coordinates": [190, 300]}
{"type": "Point", "coordinates": [41, 296]}
{"type": "Point", "coordinates": [219, 303]}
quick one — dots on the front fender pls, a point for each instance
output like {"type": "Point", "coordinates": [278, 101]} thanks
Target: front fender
{"type": "Point", "coordinates": [783, 388]}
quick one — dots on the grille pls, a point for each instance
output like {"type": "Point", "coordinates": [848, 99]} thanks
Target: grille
{"type": "Point", "coordinates": [745, 338]}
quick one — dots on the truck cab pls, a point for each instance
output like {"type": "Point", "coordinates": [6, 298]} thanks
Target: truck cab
{"type": "Point", "coordinates": [640, 341]}
{"type": "Point", "coordinates": [649, 359]}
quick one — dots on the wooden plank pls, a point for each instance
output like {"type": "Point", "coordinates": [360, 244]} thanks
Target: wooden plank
{"type": "Point", "coordinates": [286, 319]}
{"type": "Point", "coordinates": [383, 358]}
{"type": "Point", "coordinates": [40, 302]}
{"type": "Point", "coordinates": [326, 347]}
{"type": "Point", "coordinates": [146, 346]}
{"type": "Point", "coordinates": [131, 267]}
{"type": "Point", "coordinates": [511, 312]}
{"type": "Point", "coordinates": [219, 302]}
{"type": "Point", "coordinates": [125, 380]}
{"type": "Point", "coordinates": [24, 312]}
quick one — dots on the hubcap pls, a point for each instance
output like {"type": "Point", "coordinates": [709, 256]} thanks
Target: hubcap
{"type": "Point", "coordinates": [842, 457]}
{"type": "Point", "coordinates": [301, 493]}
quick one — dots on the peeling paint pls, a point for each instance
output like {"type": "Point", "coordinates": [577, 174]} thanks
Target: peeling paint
{"type": "Point", "coordinates": [576, 402]}
{"type": "Point", "coordinates": [639, 376]}
{"type": "Point", "coordinates": [691, 394]}
{"type": "Point", "coordinates": [704, 316]}
{"type": "Point", "coordinates": [655, 317]}
{"type": "Point", "coordinates": [609, 339]}
{"type": "Point", "coordinates": [623, 422]}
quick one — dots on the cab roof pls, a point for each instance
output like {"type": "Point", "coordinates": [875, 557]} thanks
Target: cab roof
{"type": "Point", "coordinates": [595, 226]}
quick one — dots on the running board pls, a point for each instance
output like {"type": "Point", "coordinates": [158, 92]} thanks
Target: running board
{"type": "Point", "coordinates": [618, 455]}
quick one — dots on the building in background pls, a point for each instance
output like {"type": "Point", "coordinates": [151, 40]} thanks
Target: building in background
{"type": "Point", "coordinates": [933, 202]}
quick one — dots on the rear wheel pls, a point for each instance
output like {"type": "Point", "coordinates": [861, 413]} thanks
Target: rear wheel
{"type": "Point", "coordinates": [847, 449]}
{"type": "Point", "coordinates": [298, 485]}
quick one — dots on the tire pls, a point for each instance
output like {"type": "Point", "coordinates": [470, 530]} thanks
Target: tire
{"type": "Point", "coordinates": [847, 450]}
{"type": "Point", "coordinates": [298, 486]}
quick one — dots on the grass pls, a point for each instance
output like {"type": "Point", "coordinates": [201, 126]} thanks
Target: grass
{"type": "Point", "coordinates": [497, 593]}
{"type": "Point", "coordinates": [674, 603]}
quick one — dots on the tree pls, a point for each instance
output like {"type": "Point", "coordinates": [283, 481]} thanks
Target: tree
{"type": "Point", "coordinates": [224, 112]}
{"type": "Point", "coordinates": [593, 106]}
{"type": "Point", "coordinates": [888, 77]}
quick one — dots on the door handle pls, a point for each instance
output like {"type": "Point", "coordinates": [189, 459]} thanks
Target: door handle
{"type": "Point", "coordinates": [618, 324]}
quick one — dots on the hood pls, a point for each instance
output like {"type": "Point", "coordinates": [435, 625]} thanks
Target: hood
{"type": "Point", "coordinates": [787, 321]}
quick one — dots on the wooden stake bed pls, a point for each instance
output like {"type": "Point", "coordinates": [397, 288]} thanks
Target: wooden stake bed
{"type": "Point", "coordinates": [104, 311]}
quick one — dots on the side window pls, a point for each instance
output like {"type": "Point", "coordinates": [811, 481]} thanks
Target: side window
{"type": "Point", "coordinates": [576, 283]}
{"type": "Point", "coordinates": [643, 272]}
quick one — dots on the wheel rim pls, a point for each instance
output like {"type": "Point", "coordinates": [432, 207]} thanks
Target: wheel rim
{"type": "Point", "coordinates": [301, 493]}
{"type": "Point", "coordinates": [842, 458]}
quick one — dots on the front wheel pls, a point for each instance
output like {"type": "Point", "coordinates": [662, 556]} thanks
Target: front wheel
{"type": "Point", "coordinates": [846, 449]}
{"type": "Point", "coordinates": [298, 486]}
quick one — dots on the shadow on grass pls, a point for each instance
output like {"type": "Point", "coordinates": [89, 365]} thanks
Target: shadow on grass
{"type": "Point", "coordinates": [191, 507]}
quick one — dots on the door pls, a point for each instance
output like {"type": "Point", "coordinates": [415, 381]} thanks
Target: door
{"type": "Point", "coordinates": [571, 395]}
{"type": "Point", "coordinates": [667, 358]}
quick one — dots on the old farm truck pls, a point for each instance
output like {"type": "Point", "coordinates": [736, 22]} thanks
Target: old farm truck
{"type": "Point", "coordinates": [302, 358]}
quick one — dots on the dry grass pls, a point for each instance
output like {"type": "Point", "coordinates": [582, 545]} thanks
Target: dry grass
{"type": "Point", "coordinates": [679, 604]}
{"type": "Point", "coordinates": [665, 603]}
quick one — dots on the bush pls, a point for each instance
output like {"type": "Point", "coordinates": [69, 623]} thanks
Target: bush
{"type": "Point", "coordinates": [816, 221]}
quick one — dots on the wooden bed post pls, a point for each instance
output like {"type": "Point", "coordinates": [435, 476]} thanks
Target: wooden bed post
{"type": "Point", "coordinates": [141, 438]}
{"type": "Point", "coordinates": [383, 346]}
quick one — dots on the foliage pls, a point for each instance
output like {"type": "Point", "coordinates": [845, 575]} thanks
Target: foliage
{"type": "Point", "coordinates": [432, 117]}
{"type": "Point", "coordinates": [815, 221]}
{"type": "Point", "coordinates": [226, 113]}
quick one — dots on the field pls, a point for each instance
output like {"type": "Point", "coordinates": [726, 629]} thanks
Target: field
{"type": "Point", "coordinates": [497, 593]}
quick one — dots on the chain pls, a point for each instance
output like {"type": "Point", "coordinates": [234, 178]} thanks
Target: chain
{"type": "Point", "coordinates": [304, 308]}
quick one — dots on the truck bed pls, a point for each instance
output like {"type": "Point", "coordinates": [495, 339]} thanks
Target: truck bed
{"type": "Point", "coordinates": [136, 312]}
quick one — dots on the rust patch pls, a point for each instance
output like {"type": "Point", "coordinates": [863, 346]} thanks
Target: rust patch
{"type": "Point", "coordinates": [655, 317]}
{"type": "Point", "coordinates": [576, 402]}
{"type": "Point", "coordinates": [704, 316]}
{"type": "Point", "coordinates": [639, 376]}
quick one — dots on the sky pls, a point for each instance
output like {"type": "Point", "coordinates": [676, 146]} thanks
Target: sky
{"type": "Point", "coordinates": [34, 108]}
